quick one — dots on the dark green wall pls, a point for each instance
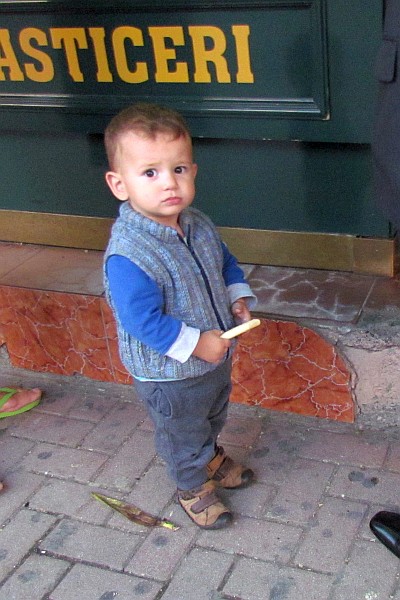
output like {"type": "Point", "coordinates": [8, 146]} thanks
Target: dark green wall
{"type": "Point", "coordinates": [289, 185]}
{"type": "Point", "coordinates": [258, 184]}
{"type": "Point", "coordinates": [263, 169]}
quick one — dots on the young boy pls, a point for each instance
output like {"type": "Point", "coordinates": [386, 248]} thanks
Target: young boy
{"type": "Point", "coordinates": [174, 288]}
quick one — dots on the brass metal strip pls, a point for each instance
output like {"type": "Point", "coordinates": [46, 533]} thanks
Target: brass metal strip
{"type": "Point", "coordinates": [336, 252]}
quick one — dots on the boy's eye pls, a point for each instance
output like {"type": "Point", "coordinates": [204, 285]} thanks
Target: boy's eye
{"type": "Point", "coordinates": [179, 170]}
{"type": "Point", "coordinates": [150, 173]}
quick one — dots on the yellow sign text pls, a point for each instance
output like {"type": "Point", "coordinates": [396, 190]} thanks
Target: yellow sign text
{"type": "Point", "coordinates": [131, 54]}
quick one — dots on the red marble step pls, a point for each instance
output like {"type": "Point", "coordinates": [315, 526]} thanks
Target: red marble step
{"type": "Point", "coordinates": [283, 366]}
{"type": "Point", "coordinates": [279, 365]}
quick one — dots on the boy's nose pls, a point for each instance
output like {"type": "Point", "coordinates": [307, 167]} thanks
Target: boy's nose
{"type": "Point", "coordinates": [169, 181]}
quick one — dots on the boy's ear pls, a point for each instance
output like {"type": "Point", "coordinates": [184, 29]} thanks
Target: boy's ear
{"type": "Point", "coordinates": [194, 170]}
{"type": "Point", "coordinates": [116, 185]}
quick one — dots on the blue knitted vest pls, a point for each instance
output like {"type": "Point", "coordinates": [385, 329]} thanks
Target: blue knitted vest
{"type": "Point", "coordinates": [189, 276]}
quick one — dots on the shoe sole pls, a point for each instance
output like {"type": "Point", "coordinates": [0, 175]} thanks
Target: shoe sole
{"type": "Point", "coordinates": [223, 520]}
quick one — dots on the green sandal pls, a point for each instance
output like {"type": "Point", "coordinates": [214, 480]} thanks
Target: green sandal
{"type": "Point", "coordinates": [9, 393]}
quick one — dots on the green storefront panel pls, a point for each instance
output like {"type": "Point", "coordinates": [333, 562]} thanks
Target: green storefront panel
{"type": "Point", "coordinates": [279, 96]}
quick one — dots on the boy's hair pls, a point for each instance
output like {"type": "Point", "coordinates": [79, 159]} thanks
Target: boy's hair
{"type": "Point", "coordinates": [144, 119]}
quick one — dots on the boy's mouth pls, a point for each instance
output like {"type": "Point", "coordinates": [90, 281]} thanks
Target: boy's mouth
{"type": "Point", "coordinates": [172, 201]}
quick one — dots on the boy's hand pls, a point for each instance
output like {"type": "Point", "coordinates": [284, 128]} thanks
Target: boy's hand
{"type": "Point", "coordinates": [211, 347]}
{"type": "Point", "coordinates": [240, 311]}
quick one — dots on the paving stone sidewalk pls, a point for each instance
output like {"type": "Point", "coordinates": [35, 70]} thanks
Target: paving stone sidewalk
{"type": "Point", "coordinates": [301, 531]}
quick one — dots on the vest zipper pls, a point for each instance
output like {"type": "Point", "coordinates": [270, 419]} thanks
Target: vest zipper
{"type": "Point", "coordinates": [204, 276]}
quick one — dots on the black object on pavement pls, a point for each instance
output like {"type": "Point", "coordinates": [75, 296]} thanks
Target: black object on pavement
{"type": "Point", "coordinates": [386, 526]}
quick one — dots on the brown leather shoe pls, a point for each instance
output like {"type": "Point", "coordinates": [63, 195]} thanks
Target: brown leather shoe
{"type": "Point", "coordinates": [204, 507]}
{"type": "Point", "coordinates": [228, 474]}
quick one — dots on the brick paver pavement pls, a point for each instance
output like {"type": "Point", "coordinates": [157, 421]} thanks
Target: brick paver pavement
{"type": "Point", "coordinates": [301, 531]}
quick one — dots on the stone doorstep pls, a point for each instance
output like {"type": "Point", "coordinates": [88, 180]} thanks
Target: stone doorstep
{"type": "Point", "coordinates": [32, 322]}
{"type": "Point", "coordinates": [371, 349]}
{"type": "Point", "coordinates": [279, 365]}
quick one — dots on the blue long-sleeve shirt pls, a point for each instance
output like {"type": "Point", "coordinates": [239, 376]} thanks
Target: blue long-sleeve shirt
{"type": "Point", "coordinates": [139, 304]}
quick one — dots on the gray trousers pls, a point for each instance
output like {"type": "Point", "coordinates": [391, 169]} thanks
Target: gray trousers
{"type": "Point", "coordinates": [188, 416]}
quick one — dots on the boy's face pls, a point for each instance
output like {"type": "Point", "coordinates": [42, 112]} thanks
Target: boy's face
{"type": "Point", "coordinates": [156, 175]}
